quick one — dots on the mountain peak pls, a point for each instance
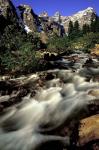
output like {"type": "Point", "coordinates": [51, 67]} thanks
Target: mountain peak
{"type": "Point", "coordinates": [57, 13]}
{"type": "Point", "coordinates": [44, 14]}
{"type": "Point", "coordinates": [25, 8]}
{"type": "Point", "coordinates": [90, 8]}
{"type": "Point", "coordinates": [57, 16]}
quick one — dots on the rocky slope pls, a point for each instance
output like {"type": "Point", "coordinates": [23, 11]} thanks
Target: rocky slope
{"type": "Point", "coordinates": [28, 18]}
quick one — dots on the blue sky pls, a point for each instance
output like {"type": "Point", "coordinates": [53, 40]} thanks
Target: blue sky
{"type": "Point", "coordinates": [65, 7]}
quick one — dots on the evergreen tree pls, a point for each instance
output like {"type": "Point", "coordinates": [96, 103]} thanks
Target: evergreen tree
{"type": "Point", "coordinates": [86, 28]}
{"type": "Point", "coordinates": [94, 27]}
{"type": "Point", "coordinates": [70, 30]}
{"type": "Point", "coordinates": [76, 29]}
{"type": "Point", "coordinates": [97, 24]}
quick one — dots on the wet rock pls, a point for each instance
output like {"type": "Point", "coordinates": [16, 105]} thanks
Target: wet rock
{"type": "Point", "coordinates": [4, 98]}
{"type": "Point", "coordinates": [6, 87]}
{"type": "Point", "coordinates": [1, 108]}
{"type": "Point", "coordinates": [95, 50]}
{"type": "Point", "coordinates": [94, 92]}
{"type": "Point", "coordinates": [90, 62]}
{"type": "Point", "coordinates": [13, 91]}
{"type": "Point", "coordinates": [46, 56]}
{"type": "Point", "coordinates": [89, 130]}
{"type": "Point", "coordinates": [49, 76]}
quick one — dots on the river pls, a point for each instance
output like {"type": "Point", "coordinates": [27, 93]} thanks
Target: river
{"type": "Point", "coordinates": [36, 108]}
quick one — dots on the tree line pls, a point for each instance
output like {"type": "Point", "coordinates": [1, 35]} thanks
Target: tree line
{"type": "Point", "coordinates": [75, 30]}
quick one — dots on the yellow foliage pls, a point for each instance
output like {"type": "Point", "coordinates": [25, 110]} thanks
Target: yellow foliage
{"type": "Point", "coordinates": [95, 50]}
{"type": "Point", "coordinates": [44, 37]}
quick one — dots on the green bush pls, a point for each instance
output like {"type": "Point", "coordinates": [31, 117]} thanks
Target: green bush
{"type": "Point", "coordinates": [58, 44]}
{"type": "Point", "coordinates": [86, 42]}
{"type": "Point", "coordinates": [17, 49]}
{"type": "Point", "coordinates": [21, 60]}
{"type": "Point", "coordinates": [27, 57]}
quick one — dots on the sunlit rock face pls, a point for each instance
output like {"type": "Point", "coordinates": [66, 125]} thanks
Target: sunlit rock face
{"type": "Point", "coordinates": [44, 15]}
{"type": "Point", "coordinates": [28, 17]}
{"type": "Point", "coordinates": [51, 27]}
{"type": "Point", "coordinates": [57, 17]}
{"type": "Point", "coordinates": [89, 133]}
{"type": "Point", "coordinates": [7, 9]}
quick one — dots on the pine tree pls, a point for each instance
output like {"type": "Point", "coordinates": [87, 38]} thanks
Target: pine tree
{"type": "Point", "coordinates": [94, 27]}
{"type": "Point", "coordinates": [70, 30]}
{"type": "Point", "coordinates": [76, 29]}
{"type": "Point", "coordinates": [97, 24]}
{"type": "Point", "coordinates": [76, 26]}
{"type": "Point", "coordinates": [86, 28]}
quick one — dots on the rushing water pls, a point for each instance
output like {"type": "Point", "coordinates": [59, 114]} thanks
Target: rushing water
{"type": "Point", "coordinates": [25, 126]}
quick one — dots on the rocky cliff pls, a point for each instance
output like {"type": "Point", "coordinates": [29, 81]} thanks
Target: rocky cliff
{"type": "Point", "coordinates": [28, 17]}
{"type": "Point", "coordinates": [8, 14]}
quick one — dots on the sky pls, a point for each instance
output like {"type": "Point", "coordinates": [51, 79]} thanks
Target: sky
{"type": "Point", "coordinates": [65, 7]}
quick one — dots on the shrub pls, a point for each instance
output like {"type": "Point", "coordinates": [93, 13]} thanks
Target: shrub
{"type": "Point", "coordinates": [58, 44]}
{"type": "Point", "coordinates": [21, 60]}
{"type": "Point", "coordinates": [86, 42]}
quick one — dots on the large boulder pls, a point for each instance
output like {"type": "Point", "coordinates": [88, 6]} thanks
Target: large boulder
{"type": "Point", "coordinates": [89, 130]}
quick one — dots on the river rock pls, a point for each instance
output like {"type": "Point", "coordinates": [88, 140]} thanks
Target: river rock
{"type": "Point", "coordinates": [89, 130]}
{"type": "Point", "coordinates": [94, 92]}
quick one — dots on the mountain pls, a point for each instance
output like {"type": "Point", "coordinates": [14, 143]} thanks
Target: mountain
{"type": "Point", "coordinates": [25, 17]}
{"type": "Point", "coordinates": [83, 17]}
{"type": "Point", "coordinates": [44, 15]}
